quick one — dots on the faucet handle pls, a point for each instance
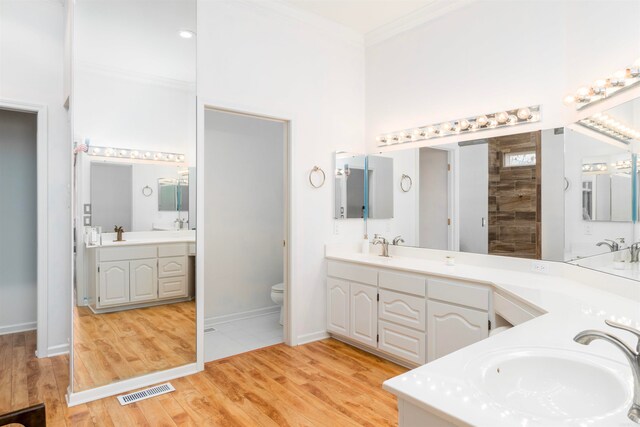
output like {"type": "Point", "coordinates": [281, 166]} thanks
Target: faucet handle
{"type": "Point", "coordinates": [634, 331]}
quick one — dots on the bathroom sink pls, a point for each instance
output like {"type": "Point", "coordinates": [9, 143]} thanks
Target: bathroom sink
{"type": "Point", "coordinates": [553, 384]}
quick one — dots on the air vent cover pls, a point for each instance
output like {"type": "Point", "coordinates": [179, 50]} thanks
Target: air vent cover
{"type": "Point", "coordinates": [145, 394]}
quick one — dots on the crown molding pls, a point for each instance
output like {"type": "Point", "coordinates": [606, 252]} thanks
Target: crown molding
{"type": "Point", "coordinates": [136, 76]}
{"type": "Point", "coordinates": [320, 23]}
{"type": "Point", "coordinates": [434, 10]}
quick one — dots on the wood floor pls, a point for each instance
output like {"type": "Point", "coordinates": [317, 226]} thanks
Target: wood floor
{"type": "Point", "coordinates": [129, 343]}
{"type": "Point", "coordinates": [326, 383]}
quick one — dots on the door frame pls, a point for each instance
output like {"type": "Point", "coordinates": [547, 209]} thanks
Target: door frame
{"type": "Point", "coordinates": [287, 119]}
{"type": "Point", "coordinates": [42, 163]}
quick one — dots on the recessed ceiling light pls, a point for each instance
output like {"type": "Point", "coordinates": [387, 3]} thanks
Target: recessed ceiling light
{"type": "Point", "coordinates": [186, 34]}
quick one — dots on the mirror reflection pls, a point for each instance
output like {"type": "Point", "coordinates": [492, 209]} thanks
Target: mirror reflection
{"type": "Point", "coordinates": [349, 185]}
{"type": "Point", "coordinates": [484, 196]}
{"type": "Point", "coordinates": [134, 178]}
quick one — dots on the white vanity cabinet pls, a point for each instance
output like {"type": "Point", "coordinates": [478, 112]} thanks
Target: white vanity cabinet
{"type": "Point", "coordinates": [338, 293]}
{"type": "Point", "coordinates": [363, 309]}
{"type": "Point", "coordinates": [138, 275]}
{"type": "Point", "coordinates": [458, 316]}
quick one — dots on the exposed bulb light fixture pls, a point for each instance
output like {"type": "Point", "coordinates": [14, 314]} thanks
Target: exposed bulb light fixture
{"type": "Point", "coordinates": [136, 154]}
{"type": "Point", "coordinates": [605, 87]}
{"type": "Point", "coordinates": [470, 124]}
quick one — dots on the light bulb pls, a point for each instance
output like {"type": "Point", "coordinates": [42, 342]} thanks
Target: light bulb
{"type": "Point", "coordinates": [181, 157]}
{"type": "Point", "coordinates": [108, 151]}
{"type": "Point", "coordinates": [600, 83]}
{"type": "Point", "coordinates": [96, 151]}
{"type": "Point", "coordinates": [535, 116]}
{"type": "Point", "coordinates": [482, 121]}
{"type": "Point", "coordinates": [147, 155]}
{"type": "Point", "coordinates": [186, 34]}
{"type": "Point", "coordinates": [569, 99]}
{"type": "Point", "coordinates": [583, 91]}
{"type": "Point", "coordinates": [123, 152]}
{"type": "Point", "coordinates": [493, 123]}
{"type": "Point", "coordinates": [524, 113]}
{"type": "Point", "coordinates": [158, 156]}
{"type": "Point", "coordinates": [431, 130]}
{"type": "Point", "coordinates": [134, 154]}
{"type": "Point", "coordinates": [446, 126]}
{"type": "Point", "coordinates": [502, 117]}
{"type": "Point", "coordinates": [512, 120]}
{"type": "Point", "coordinates": [464, 124]}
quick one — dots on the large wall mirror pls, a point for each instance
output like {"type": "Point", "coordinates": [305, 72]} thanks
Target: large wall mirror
{"type": "Point", "coordinates": [134, 129]}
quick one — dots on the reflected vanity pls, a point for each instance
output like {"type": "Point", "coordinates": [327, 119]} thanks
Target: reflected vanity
{"type": "Point", "coordinates": [134, 131]}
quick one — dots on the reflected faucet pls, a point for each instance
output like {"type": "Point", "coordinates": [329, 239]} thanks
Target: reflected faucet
{"type": "Point", "coordinates": [379, 240]}
{"type": "Point", "coordinates": [613, 246]}
{"type": "Point", "coordinates": [585, 338]}
{"type": "Point", "coordinates": [635, 251]}
{"type": "Point", "coordinates": [397, 241]}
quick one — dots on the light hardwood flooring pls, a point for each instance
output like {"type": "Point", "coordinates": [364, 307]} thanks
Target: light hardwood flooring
{"type": "Point", "coordinates": [129, 343]}
{"type": "Point", "coordinates": [325, 383]}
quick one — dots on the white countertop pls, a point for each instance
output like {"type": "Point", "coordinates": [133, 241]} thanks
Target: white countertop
{"type": "Point", "coordinates": [443, 386]}
{"type": "Point", "coordinates": [146, 238]}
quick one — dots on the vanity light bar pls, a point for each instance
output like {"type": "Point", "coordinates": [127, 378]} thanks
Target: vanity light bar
{"type": "Point", "coordinates": [611, 127]}
{"type": "Point", "coordinates": [603, 88]}
{"type": "Point", "coordinates": [500, 119]}
{"type": "Point", "coordinates": [124, 153]}
{"type": "Point", "coordinates": [594, 167]}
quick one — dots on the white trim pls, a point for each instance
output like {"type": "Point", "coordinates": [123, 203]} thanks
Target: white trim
{"type": "Point", "coordinates": [314, 336]}
{"type": "Point", "coordinates": [325, 25]}
{"type": "Point", "coordinates": [43, 215]}
{"type": "Point", "coordinates": [124, 386]}
{"type": "Point", "coordinates": [434, 10]}
{"type": "Point", "coordinates": [18, 327]}
{"type": "Point", "coordinates": [289, 119]}
{"type": "Point", "coordinates": [210, 322]}
{"type": "Point", "coordinates": [57, 350]}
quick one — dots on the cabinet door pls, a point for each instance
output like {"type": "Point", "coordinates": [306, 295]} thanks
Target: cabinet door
{"type": "Point", "coordinates": [172, 287]}
{"type": "Point", "coordinates": [450, 327]}
{"type": "Point", "coordinates": [143, 280]}
{"type": "Point", "coordinates": [114, 283]}
{"type": "Point", "coordinates": [338, 306]}
{"type": "Point", "coordinates": [364, 314]}
{"type": "Point", "coordinates": [172, 266]}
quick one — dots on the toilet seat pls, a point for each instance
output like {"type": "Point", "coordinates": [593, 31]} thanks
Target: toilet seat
{"type": "Point", "coordinates": [279, 288]}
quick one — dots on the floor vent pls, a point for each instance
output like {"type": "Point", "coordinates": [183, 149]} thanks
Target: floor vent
{"type": "Point", "coordinates": [210, 330]}
{"type": "Point", "coordinates": [145, 394]}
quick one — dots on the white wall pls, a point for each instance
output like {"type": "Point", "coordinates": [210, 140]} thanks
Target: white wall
{"type": "Point", "coordinates": [253, 59]}
{"type": "Point", "coordinates": [244, 203]}
{"type": "Point", "coordinates": [18, 213]}
{"type": "Point", "coordinates": [31, 64]}
{"type": "Point", "coordinates": [552, 203]}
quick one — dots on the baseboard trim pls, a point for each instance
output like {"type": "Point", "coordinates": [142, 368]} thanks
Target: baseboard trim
{"type": "Point", "coordinates": [210, 322]}
{"type": "Point", "coordinates": [314, 336]}
{"type": "Point", "coordinates": [18, 327]}
{"type": "Point", "coordinates": [374, 351]}
{"type": "Point", "coordinates": [57, 350]}
{"type": "Point", "coordinates": [124, 386]}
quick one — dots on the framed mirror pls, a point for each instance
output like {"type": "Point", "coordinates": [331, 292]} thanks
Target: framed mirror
{"type": "Point", "coordinates": [349, 185]}
{"type": "Point", "coordinates": [134, 108]}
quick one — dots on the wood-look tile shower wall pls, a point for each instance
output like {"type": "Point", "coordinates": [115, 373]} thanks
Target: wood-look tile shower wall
{"type": "Point", "coordinates": [514, 198]}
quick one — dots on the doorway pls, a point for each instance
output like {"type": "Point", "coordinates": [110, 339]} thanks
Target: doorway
{"type": "Point", "coordinates": [19, 212]}
{"type": "Point", "coordinates": [246, 228]}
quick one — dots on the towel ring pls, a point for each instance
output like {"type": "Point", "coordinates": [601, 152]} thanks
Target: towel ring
{"type": "Point", "coordinates": [317, 169]}
{"type": "Point", "coordinates": [147, 191]}
{"type": "Point", "coordinates": [406, 183]}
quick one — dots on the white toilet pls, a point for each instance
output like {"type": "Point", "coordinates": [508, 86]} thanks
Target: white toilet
{"type": "Point", "coordinates": [277, 296]}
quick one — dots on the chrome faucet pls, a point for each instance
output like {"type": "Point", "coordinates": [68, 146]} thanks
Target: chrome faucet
{"type": "Point", "coordinates": [613, 246]}
{"type": "Point", "coordinates": [634, 249]}
{"type": "Point", "coordinates": [379, 240]}
{"type": "Point", "coordinates": [397, 241]}
{"type": "Point", "coordinates": [585, 338]}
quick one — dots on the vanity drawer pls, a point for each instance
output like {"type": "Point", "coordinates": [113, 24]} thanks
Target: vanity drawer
{"type": "Point", "coordinates": [172, 250]}
{"type": "Point", "coordinates": [172, 287]}
{"type": "Point", "coordinates": [462, 293]}
{"type": "Point", "coordinates": [125, 253]}
{"type": "Point", "coordinates": [172, 266]}
{"type": "Point", "coordinates": [405, 343]}
{"type": "Point", "coordinates": [353, 272]}
{"type": "Point", "coordinates": [513, 312]}
{"type": "Point", "coordinates": [403, 309]}
{"type": "Point", "coordinates": [407, 283]}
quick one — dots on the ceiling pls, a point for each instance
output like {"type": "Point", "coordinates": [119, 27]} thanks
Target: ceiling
{"type": "Point", "coordinates": [362, 16]}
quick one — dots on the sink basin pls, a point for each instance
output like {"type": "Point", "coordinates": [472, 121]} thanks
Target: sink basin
{"type": "Point", "coordinates": [554, 385]}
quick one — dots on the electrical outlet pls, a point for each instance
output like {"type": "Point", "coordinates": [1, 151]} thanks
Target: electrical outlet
{"type": "Point", "coordinates": [336, 227]}
{"type": "Point", "coordinates": [539, 267]}
{"type": "Point", "coordinates": [587, 230]}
